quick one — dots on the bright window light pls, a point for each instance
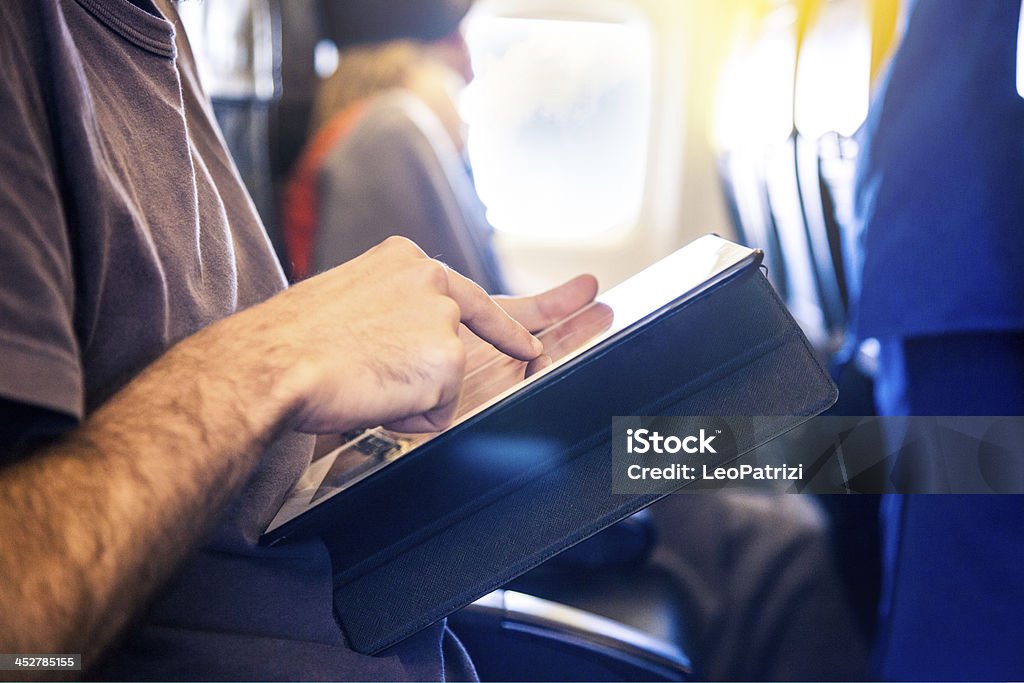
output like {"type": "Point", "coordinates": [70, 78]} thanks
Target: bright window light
{"type": "Point", "coordinates": [754, 101]}
{"type": "Point", "coordinates": [1020, 53]}
{"type": "Point", "coordinates": [558, 118]}
{"type": "Point", "coordinates": [833, 80]}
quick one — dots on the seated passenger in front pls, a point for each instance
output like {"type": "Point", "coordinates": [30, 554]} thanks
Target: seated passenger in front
{"type": "Point", "coordinates": [387, 157]}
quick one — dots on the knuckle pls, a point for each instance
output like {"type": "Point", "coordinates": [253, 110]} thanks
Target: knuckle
{"type": "Point", "coordinates": [402, 245]}
{"type": "Point", "coordinates": [447, 356]}
{"type": "Point", "coordinates": [435, 274]}
{"type": "Point", "coordinates": [442, 366]}
{"type": "Point", "coordinates": [449, 310]}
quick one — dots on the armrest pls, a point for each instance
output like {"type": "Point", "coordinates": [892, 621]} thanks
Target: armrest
{"type": "Point", "coordinates": [514, 636]}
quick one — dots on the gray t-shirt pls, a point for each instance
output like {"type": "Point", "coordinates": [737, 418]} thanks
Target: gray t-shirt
{"type": "Point", "coordinates": [124, 228]}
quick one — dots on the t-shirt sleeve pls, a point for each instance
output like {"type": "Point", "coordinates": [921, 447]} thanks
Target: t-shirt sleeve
{"type": "Point", "coordinates": [40, 365]}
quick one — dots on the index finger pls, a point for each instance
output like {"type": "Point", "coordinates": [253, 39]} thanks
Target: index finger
{"type": "Point", "coordinates": [541, 310]}
{"type": "Point", "coordinates": [489, 321]}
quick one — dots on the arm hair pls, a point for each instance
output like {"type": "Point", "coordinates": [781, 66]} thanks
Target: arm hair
{"type": "Point", "coordinates": [93, 524]}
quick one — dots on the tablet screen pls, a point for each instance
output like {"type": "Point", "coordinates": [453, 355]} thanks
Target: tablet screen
{"type": "Point", "coordinates": [491, 376]}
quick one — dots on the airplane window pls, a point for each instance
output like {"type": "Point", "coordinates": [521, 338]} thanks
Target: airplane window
{"type": "Point", "coordinates": [558, 117]}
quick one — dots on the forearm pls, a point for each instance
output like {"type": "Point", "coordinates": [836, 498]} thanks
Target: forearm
{"type": "Point", "coordinates": [93, 524]}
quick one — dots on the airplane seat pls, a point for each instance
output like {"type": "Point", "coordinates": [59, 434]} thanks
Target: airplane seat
{"type": "Point", "coordinates": [610, 574]}
{"type": "Point", "coordinates": [819, 218]}
{"type": "Point", "coordinates": [513, 636]}
{"type": "Point", "coordinates": [792, 201]}
{"type": "Point", "coordinates": [644, 596]}
{"type": "Point", "coordinates": [795, 202]}
{"type": "Point", "coordinates": [854, 363]}
{"type": "Point", "coordinates": [300, 30]}
{"type": "Point", "coordinates": [836, 165]}
{"type": "Point", "coordinates": [741, 177]}
{"type": "Point", "coordinates": [812, 184]}
{"type": "Point", "coordinates": [796, 210]}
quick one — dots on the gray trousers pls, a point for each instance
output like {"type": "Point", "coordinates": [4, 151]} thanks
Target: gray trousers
{"type": "Point", "coordinates": [763, 598]}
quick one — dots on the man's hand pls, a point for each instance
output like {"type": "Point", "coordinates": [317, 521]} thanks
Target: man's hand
{"type": "Point", "coordinates": [377, 340]}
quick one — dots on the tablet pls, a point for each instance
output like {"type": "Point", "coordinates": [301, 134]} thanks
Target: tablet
{"type": "Point", "coordinates": [353, 460]}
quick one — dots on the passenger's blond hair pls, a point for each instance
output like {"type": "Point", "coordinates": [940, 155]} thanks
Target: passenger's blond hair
{"type": "Point", "coordinates": [364, 70]}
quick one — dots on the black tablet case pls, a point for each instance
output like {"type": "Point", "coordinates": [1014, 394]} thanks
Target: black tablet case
{"type": "Point", "coordinates": [492, 498]}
